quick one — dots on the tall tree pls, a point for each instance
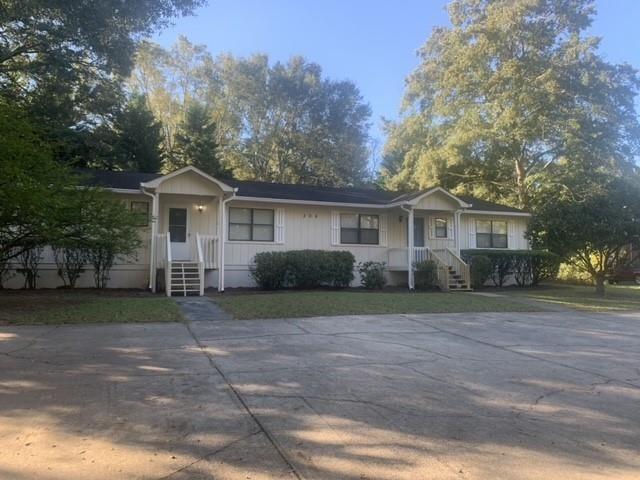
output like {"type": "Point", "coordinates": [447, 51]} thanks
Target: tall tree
{"type": "Point", "coordinates": [63, 60]}
{"type": "Point", "coordinates": [196, 143]}
{"type": "Point", "coordinates": [171, 80]}
{"type": "Point", "coordinates": [293, 125]}
{"type": "Point", "coordinates": [590, 222]}
{"type": "Point", "coordinates": [280, 122]}
{"type": "Point", "coordinates": [512, 87]}
{"type": "Point", "coordinates": [138, 138]}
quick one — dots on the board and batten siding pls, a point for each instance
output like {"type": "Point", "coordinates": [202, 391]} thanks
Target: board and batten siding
{"type": "Point", "coordinates": [516, 229]}
{"type": "Point", "coordinates": [309, 227]}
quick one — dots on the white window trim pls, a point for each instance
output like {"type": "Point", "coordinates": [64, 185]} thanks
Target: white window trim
{"type": "Point", "coordinates": [251, 242]}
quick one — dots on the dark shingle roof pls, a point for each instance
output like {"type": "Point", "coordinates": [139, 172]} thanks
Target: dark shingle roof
{"type": "Point", "coordinates": [311, 193]}
{"type": "Point", "coordinates": [483, 205]}
{"type": "Point", "coordinates": [109, 179]}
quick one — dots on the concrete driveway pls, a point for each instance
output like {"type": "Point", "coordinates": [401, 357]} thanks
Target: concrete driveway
{"type": "Point", "coordinates": [486, 396]}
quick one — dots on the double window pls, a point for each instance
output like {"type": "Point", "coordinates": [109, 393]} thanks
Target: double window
{"type": "Point", "coordinates": [359, 229]}
{"type": "Point", "coordinates": [490, 234]}
{"type": "Point", "coordinates": [251, 224]}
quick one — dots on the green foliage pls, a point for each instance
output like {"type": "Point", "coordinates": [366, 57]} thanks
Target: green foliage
{"type": "Point", "coordinates": [481, 268]}
{"type": "Point", "coordinates": [62, 62]}
{"type": "Point", "coordinates": [33, 188]}
{"type": "Point", "coordinates": [302, 269]}
{"type": "Point", "coordinates": [509, 96]}
{"type": "Point", "coordinates": [111, 235]}
{"type": "Point", "coordinates": [63, 59]}
{"type": "Point", "coordinates": [273, 122]}
{"type": "Point", "coordinates": [372, 275]}
{"type": "Point", "coordinates": [269, 270]}
{"type": "Point", "coordinates": [426, 275]}
{"type": "Point", "coordinates": [528, 267]}
{"type": "Point", "coordinates": [138, 138]}
{"type": "Point", "coordinates": [590, 223]}
{"type": "Point", "coordinates": [196, 143]}
{"type": "Point", "coordinates": [569, 273]}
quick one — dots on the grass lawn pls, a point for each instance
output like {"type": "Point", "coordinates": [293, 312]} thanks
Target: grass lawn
{"type": "Point", "coordinates": [617, 297]}
{"type": "Point", "coordinates": [326, 303]}
{"type": "Point", "coordinates": [70, 306]}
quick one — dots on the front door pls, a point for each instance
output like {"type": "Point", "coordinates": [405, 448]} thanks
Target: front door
{"type": "Point", "coordinates": [418, 232]}
{"type": "Point", "coordinates": [178, 222]}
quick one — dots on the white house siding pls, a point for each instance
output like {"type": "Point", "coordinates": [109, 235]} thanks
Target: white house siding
{"type": "Point", "coordinates": [204, 223]}
{"type": "Point", "coordinates": [516, 229]}
{"type": "Point", "coordinates": [131, 274]}
{"type": "Point", "coordinates": [308, 227]}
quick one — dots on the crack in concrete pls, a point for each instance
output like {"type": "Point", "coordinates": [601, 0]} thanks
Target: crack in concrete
{"type": "Point", "coordinates": [207, 456]}
{"type": "Point", "coordinates": [32, 342]}
{"type": "Point", "coordinates": [242, 402]}
{"type": "Point", "coordinates": [516, 352]}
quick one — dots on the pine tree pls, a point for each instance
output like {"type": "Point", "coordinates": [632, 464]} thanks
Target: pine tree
{"type": "Point", "coordinates": [138, 138]}
{"type": "Point", "coordinates": [196, 144]}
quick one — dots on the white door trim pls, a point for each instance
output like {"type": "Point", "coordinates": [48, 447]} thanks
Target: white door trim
{"type": "Point", "coordinates": [180, 250]}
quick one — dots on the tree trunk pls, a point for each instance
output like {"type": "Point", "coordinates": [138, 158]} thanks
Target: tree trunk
{"type": "Point", "coordinates": [523, 198]}
{"type": "Point", "coordinates": [600, 285]}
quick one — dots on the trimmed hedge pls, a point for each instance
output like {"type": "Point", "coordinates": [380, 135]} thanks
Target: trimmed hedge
{"type": "Point", "coordinates": [481, 268]}
{"type": "Point", "coordinates": [302, 269]}
{"type": "Point", "coordinates": [528, 267]}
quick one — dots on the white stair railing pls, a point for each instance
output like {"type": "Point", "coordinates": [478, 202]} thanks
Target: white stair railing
{"type": "Point", "coordinates": [201, 261]}
{"type": "Point", "coordinates": [167, 265]}
{"type": "Point", "coordinates": [209, 245]}
{"type": "Point", "coordinates": [462, 268]}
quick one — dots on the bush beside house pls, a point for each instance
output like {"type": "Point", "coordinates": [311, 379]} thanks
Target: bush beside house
{"type": "Point", "coordinates": [524, 267]}
{"type": "Point", "coordinates": [303, 269]}
{"type": "Point", "coordinates": [372, 275]}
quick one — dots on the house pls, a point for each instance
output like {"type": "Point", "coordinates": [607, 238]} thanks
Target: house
{"type": "Point", "coordinates": [203, 232]}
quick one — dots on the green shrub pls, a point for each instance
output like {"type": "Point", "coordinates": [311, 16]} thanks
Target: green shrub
{"type": "Point", "coordinates": [481, 268]}
{"type": "Point", "coordinates": [339, 267]}
{"type": "Point", "coordinates": [372, 275]}
{"type": "Point", "coordinates": [544, 266]}
{"type": "Point", "coordinates": [528, 267]}
{"type": "Point", "coordinates": [426, 275]}
{"type": "Point", "coordinates": [302, 269]}
{"type": "Point", "coordinates": [270, 270]}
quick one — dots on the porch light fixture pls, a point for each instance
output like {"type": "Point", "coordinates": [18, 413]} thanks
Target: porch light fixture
{"type": "Point", "coordinates": [200, 207]}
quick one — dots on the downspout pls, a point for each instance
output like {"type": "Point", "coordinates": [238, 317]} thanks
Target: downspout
{"type": "Point", "coordinates": [223, 238]}
{"type": "Point", "coordinates": [154, 232]}
{"type": "Point", "coordinates": [409, 210]}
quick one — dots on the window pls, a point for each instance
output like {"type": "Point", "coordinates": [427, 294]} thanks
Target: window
{"type": "Point", "coordinates": [141, 210]}
{"type": "Point", "coordinates": [490, 234]}
{"type": "Point", "coordinates": [251, 224]}
{"type": "Point", "coordinates": [359, 229]}
{"type": "Point", "coordinates": [441, 228]}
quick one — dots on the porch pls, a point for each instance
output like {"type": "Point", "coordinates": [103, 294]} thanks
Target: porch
{"type": "Point", "coordinates": [188, 219]}
{"type": "Point", "coordinates": [452, 272]}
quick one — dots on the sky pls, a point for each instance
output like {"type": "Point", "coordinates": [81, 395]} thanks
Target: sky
{"type": "Point", "coordinates": [370, 42]}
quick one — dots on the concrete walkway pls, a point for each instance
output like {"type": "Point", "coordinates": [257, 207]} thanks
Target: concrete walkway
{"type": "Point", "coordinates": [466, 396]}
{"type": "Point", "coordinates": [201, 309]}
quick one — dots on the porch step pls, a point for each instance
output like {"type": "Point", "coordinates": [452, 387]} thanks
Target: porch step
{"type": "Point", "coordinates": [184, 278]}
